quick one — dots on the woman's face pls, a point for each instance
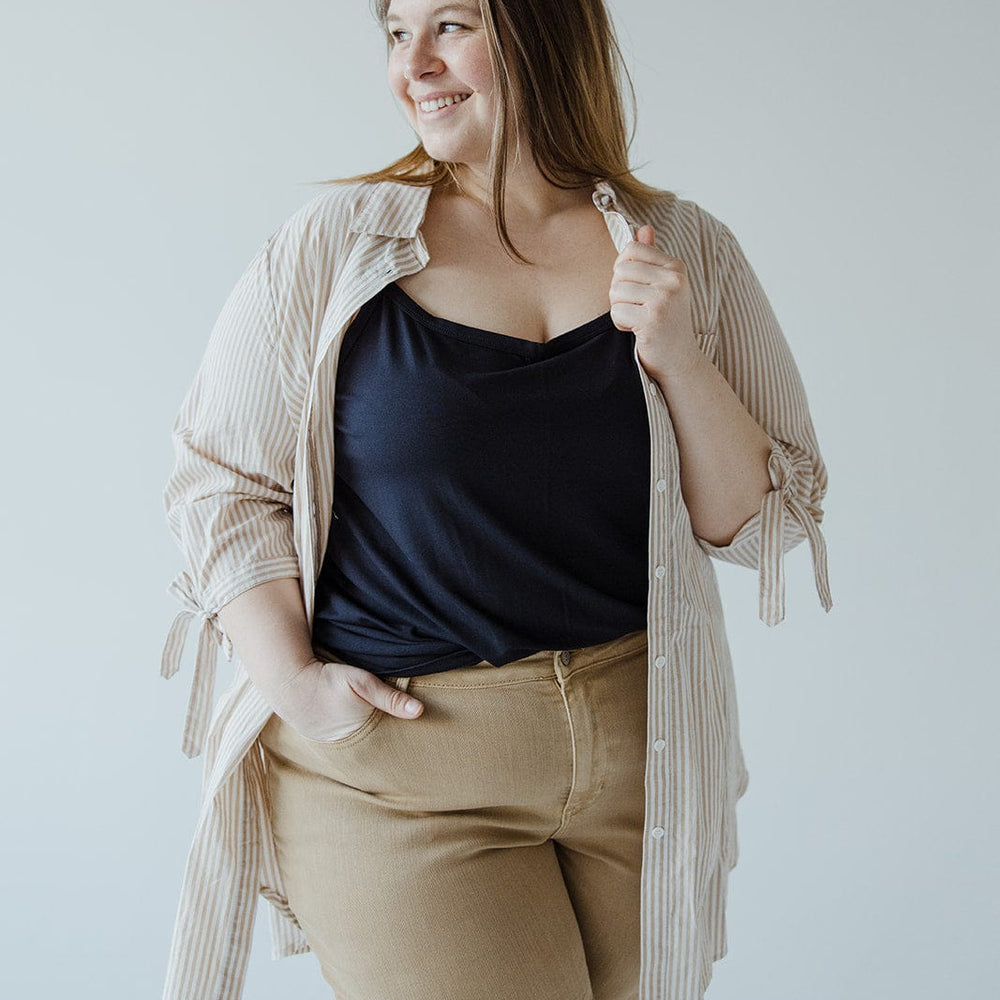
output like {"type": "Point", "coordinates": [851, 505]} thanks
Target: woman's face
{"type": "Point", "coordinates": [439, 71]}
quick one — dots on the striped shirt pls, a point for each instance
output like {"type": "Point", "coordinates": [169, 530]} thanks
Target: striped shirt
{"type": "Point", "coordinates": [250, 500]}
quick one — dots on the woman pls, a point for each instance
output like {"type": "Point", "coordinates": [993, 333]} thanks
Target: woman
{"type": "Point", "coordinates": [453, 642]}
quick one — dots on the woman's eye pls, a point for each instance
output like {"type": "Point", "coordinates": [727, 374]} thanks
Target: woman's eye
{"type": "Point", "coordinates": [446, 28]}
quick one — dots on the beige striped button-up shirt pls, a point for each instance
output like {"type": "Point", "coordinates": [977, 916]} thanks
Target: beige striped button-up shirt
{"type": "Point", "coordinates": [250, 500]}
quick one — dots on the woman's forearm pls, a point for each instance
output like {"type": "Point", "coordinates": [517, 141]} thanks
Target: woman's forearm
{"type": "Point", "coordinates": [723, 450]}
{"type": "Point", "coordinates": [267, 626]}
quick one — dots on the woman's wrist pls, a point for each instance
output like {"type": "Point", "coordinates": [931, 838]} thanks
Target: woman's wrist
{"type": "Point", "coordinates": [289, 691]}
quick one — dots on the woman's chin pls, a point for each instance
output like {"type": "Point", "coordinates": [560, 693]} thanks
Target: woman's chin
{"type": "Point", "coordinates": [444, 151]}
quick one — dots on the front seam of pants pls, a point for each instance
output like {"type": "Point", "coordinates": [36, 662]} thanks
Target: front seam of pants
{"type": "Point", "coordinates": [561, 683]}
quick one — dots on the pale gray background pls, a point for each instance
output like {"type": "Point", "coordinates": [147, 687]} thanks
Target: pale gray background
{"type": "Point", "coordinates": [852, 148]}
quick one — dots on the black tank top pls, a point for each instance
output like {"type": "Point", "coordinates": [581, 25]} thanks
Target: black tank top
{"type": "Point", "coordinates": [491, 494]}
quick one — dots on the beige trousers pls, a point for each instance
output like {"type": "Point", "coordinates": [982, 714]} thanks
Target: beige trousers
{"type": "Point", "coordinates": [490, 849]}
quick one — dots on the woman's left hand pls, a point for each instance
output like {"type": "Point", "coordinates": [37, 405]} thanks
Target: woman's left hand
{"type": "Point", "coordinates": [651, 297]}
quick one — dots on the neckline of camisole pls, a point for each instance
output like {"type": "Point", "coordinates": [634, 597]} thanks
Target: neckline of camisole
{"type": "Point", "coordinates": [500, 341]}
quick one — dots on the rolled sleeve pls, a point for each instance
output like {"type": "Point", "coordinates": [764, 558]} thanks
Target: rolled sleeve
{"type": "Point", "coordinates": [755, 359]}
{"type": "Point", "coordinates": [228, 499]}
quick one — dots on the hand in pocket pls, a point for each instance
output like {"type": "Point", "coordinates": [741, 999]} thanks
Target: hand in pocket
{"type": "Point", "coordinates": [326, 702]}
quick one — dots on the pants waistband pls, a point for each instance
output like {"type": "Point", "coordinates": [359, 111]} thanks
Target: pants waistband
{"type": "Point", "coordinates": [544, 663]}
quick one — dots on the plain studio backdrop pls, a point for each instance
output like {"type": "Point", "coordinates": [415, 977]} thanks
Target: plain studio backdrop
{"type": "Point", "coordinates": [852, 147]}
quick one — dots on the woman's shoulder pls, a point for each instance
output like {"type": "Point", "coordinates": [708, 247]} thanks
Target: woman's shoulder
{"type": "Point", "coordinates": [332, 213]}
{"type": "Point", "coordinates": [680, 218]}
{"type": "Point", "coordinates": [309, 247]}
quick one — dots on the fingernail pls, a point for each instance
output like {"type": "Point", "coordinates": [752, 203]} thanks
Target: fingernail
{"type": "Point", "coordinates": [411, 707]}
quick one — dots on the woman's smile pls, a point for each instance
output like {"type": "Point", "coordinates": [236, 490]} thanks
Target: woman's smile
{"type": "Point", "coordinates": [434, 105]}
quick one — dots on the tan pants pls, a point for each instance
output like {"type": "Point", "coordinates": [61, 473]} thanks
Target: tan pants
{"type": "Point", "coordinates": [488, 850]}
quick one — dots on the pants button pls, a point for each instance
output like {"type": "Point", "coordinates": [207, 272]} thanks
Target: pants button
{"type": "Point", "coordinates": [564, 657]}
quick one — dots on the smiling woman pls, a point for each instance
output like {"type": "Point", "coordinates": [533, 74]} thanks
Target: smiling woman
{"type": "Point", "coordinates": [548, 80]}
{"type": "Point", "coordinates": [441, 74]}
{"type": "Point", "coordinates": [448, 481]}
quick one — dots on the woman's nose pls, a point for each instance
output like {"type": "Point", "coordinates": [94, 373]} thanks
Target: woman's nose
{"type": "Point", "coordinates": [422, 59]}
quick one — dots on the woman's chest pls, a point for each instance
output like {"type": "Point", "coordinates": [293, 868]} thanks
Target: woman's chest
{"type": "Point", "coordinates": [470, 280]}
{"type": "Point", "coordinates": [421, 397]}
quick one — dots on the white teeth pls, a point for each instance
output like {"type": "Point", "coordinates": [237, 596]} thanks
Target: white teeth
{"type": "Point", "coordinates": [442, 102]}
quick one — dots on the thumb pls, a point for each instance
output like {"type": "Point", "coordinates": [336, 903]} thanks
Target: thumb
{"type": "Point", "coordinates": [390, 699]}
{"type": "Point", "coordinates": [646, 235]}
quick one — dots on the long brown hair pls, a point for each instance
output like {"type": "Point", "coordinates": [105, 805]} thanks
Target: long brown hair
{"type": "Point", "coordinates": [564, 60]}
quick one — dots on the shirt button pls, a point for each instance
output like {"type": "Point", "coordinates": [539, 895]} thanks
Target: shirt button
{"type": "Point", "coordinates": [659, 571]}
{"type": "Point", "coordinates": [659, 744]}
{"type": "Point", "coordinates": [661, 485]}
{"type": "Point", "coordinates": [652, 388]}
{"type": "Point", "coordinates": [660, 661]}
{"type": "Point", "coordinates": [657, 832]}
{"type": "Point", "coordinates": [564, 657]}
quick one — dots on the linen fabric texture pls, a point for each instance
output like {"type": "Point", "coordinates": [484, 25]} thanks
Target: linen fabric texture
{"type": "Point", "coordinates": [250, 498]}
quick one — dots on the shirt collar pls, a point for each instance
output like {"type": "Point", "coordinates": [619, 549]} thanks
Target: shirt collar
{"type": "Point", "coordinates": [392, 209]}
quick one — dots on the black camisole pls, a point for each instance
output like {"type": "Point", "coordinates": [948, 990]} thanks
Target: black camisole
{"type": "Point", "coordinates": [491, 494]}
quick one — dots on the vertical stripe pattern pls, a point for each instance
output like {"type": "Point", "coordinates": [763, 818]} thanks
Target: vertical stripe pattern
{"type": "Point", "coordinates": [249, 501]}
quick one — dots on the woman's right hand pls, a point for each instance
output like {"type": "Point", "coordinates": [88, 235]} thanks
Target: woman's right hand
{"type": "Point", "coordinates": [329, 701]}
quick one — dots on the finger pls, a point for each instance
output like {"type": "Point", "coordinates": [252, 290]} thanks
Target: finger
{"type": "Point", "coordinates": [641, 251]}
{"type": "Point", "coordinates": [637, 271]}
{"type": "Point", "coordinates": [627, 315]}
{"type": "Point", "coordinates": [650, 255]}
{"type": "Point", "coordinates": [638, 292]}
{"type": "Point", "coordinates": [384, 696]}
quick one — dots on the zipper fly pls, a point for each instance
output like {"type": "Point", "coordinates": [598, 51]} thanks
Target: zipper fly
{"type": "Point", "coordinates": [561, 683]}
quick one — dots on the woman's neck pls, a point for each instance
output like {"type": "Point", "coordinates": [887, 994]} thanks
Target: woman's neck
{"type": "Point", "coordinates": [528, 196]}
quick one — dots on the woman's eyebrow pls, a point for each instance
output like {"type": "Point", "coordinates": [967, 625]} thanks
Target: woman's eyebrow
{"type": "Point", "coordinates": [468, 10]}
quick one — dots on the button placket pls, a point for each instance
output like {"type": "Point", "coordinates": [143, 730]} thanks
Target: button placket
{"type": "Point", "coordinates": [659, 661]}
